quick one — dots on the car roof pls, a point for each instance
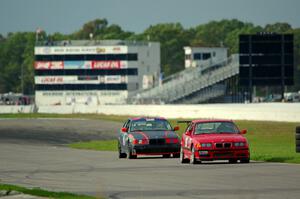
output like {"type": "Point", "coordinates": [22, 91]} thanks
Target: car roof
{"type": "Point", "coordinates": [210, 120]}
{"type": "Point", "coordinates": [140, 118]}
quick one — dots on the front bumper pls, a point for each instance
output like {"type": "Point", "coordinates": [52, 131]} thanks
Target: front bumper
{"type": "Point", "coordinates": [156, 149]}
{"type": "Point", "coordinates": [238, 154]}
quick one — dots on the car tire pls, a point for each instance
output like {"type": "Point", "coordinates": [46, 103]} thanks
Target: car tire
{"type": "Point", "coordinates": [121, 155]}
{"type": "Point", "coordinates": [182, 159]}
{"type": "Point", "coordinates": [297, 136]}
{"type": "Point", "coordinates": [130, 155]}
{"type": "Point", "coordinates": [298, 130]}
{"type": "Point", "coordinates": [232, 161]}
{"type": "Point", "coordinates": [166, 155]}
{"type": "Point", "coordinates": [193, 160]}
{"type": "Point", "coordinates": [246, 160]}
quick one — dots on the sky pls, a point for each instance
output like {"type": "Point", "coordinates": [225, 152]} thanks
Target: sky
{"type": "Point", "coordinates": [68, 16]}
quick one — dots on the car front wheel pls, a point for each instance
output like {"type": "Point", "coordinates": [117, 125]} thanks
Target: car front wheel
{"type": "Point", "coordinates": [182, 159]}
{"type": "Point", "coordinates": [193, 158]}
{"type": "Point", "coordinates": [130, 155]}
{"type": "Point", "coordinates": [121, 155]}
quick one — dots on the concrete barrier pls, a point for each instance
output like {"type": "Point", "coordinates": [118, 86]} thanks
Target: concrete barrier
{"type": "Point", "coordinates": [288, 112]}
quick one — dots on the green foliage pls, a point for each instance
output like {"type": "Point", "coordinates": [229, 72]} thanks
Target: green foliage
{"type": "Point", "coordinates": [16, 49]}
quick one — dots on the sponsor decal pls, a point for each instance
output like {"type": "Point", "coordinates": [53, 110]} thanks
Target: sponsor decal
{"type": "Point", "coordinates": [81, 93]}
{"type": "Point", "coordinates": [100, 50]}
{"type": "Point", "coordinates": [43, 65]}
{"type": "Point", "coordinates": [55, 94]}
{"type": "Point", "coordinates": [117, 49]}
{"type": "Point", "coordinates": [106, 64]}
{"type": "Point", "coordinates": [48, 80]}
{"type": "Point", "coordinates": [46, 50]}
{"type": "Point", "coordinates": [112, 79]}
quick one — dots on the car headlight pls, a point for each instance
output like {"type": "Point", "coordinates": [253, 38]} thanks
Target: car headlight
{"type": "Point", "coordinates": [206, 145]}
{"type": "Point", "coordinates": [239, 144]}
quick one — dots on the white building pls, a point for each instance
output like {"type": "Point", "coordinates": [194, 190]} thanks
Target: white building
{"type": "Point", "coordinates": [201, 56]}
{"type": "Point", "coordinates": [94, 72]}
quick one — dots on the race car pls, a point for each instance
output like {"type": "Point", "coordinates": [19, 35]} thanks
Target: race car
{"type": "Point", "coordinates": [148, 136]}
{"type": "Point", "coordinates": [208, 140]}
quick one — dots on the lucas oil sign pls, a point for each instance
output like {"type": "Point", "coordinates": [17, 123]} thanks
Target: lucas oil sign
{"type": "Point", "coordinates": [106, 64]}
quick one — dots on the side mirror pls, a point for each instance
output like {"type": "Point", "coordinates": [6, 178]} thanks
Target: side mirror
{"type": "Point", "coordinates": [124, 130]}
{"type": "Point", "coordinates": [244, 131]}
{"type": "Point", "coordinates": [176, 128]}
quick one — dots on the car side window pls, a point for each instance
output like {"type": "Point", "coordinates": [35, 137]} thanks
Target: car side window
{"type": "Point", "coordinates": [125, 125]}
{"type": "Point", "coordinates": [190, 127]}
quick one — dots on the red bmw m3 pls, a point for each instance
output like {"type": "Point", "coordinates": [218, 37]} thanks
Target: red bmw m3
{"type": "Point", "coordinates": [208, 140]}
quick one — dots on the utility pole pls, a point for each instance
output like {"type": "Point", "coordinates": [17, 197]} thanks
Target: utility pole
{"type": "Point", "coordinates": [22, 78]}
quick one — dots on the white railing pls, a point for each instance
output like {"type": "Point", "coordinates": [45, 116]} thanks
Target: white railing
{"type": "Point", "coordinates": [192, 80]}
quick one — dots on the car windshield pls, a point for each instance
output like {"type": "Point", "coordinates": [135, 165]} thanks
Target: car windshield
{"type": "Point", "coordinates": [215, 127]}
{"type": "Point", "coordinates": [150, 125]}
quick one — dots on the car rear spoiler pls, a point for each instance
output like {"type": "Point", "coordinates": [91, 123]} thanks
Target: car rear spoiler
{"type": "Point", "coordinates": [184, 121]}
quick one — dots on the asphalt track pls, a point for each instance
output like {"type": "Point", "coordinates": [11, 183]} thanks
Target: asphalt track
{"type": "Point", "coordinates": [50, 165]}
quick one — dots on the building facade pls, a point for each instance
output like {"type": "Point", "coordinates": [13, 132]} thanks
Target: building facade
{"type": "Point", "coordinates": [200, 56]}
{"type": "Point", "coordinates": [94, 72]}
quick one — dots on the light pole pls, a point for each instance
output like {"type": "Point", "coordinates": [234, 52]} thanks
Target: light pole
{"type": "Point", "coordinates": [22, 78]}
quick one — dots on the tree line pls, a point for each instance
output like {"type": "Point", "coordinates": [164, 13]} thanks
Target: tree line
{"type": "Point", "coordinates": [17, 49]}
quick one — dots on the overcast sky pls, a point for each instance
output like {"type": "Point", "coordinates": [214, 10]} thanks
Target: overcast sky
{"type": "Point", "coordinates": [67, 16]}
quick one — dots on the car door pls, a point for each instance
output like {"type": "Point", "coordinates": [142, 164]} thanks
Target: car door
{"type": "Point", "coordinates": [123, 136]}
{"type": "Point", "coordinates": [187, 137]}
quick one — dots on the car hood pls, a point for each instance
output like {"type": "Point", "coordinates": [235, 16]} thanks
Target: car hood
{"type": "Point", "coordinates": [220, 138]}
{"type": "Point", "coordinates": [153, 134]}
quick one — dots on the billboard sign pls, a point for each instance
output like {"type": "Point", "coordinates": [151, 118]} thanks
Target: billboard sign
{"type": "Point", "coordinates": [73, 50]}
{"type": "Point", "coordinates": [112, 79]}
{"type": "Point", "coordinates": [266, 59]}
{"type": "Point", "coordinates": [44, 65]}
{"type": "Point", "coordinates": [106, 64]}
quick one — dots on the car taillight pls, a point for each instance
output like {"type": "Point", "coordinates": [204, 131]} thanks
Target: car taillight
{"type": "Point", "coordinates": [135, 141]}
{"type": "Point", "coordinates": [172, 140]}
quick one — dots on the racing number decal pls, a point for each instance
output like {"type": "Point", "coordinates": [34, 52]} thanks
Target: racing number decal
{"type": "Point", "coordinates": [124, 139]}
{"type": "Point", "coordinates": [186, 142]}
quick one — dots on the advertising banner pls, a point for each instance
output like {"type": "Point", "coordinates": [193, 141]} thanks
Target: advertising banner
{"type": "Point", "coordinates": [73, 50]}
{"type": "Point", "coordinates": [112, 79]}
{"type": "Point", "coordinates": [77, 64]}
{"type": "Point", "coordinates": [106, 64]}
{"type": "Point", "coordinates": [43, 65]}
{"type": "Point", "coordinates": [66, 80]}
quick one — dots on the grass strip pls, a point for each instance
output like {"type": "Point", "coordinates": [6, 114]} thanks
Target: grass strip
{"type": "Point", "coordinates": [99, 145]}
{"type": "Point", "coordinates": [43, 193]}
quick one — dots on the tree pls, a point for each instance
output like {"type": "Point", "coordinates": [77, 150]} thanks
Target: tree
{"type": "Point", "coordinates": [278, 27]}
{"type": "Point", "coordinates": [172, 38]}
{"type": "Point", "coordinates": [96, 27]}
